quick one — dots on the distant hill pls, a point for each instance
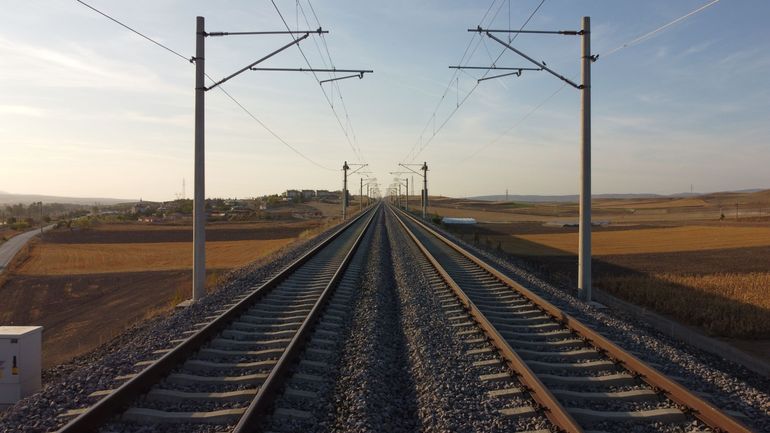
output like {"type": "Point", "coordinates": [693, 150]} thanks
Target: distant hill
{"type": "Point", "coordinates": [6, 198]}
{"type": "Point", "coordinates": [574, 198]}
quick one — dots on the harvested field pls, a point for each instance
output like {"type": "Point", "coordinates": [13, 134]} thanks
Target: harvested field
{"type": "Point", "coordinates": [331, 210]}
{"type": "Point", "coordinates": [146, 233]}
{"type": "Point", "coordinates": [86, 286]}
{"type": "Point", "coordinates": [679, 210]}
{"type": "Point", "coordinates": [97, 258]}
{"type": "Point", "coordinates": [79, 312]}
{"type": "Point", "coordinates": [723, 304]}
{"type": "Point", "coordinates": [481, 215]}
{"type": "Point", "coordinates": [7, 233]}
{"type": "Point", "coordinates": [663, 240]}
{"type": "Point", "coordinates": [651, 203]}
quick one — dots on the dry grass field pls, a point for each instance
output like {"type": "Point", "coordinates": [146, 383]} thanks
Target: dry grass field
{"type": "Point", "coordinates": [723, 304]}
{"type": "Point", "coordinates": [703, 208]}
{"type": "Point", "coordinates": [649, 240]}
{"type": "Point", "coordinates": [77, 259]}
{"type": "Point", "coordinates": [688, 265]}
{"type": "Point", "coordinates": [7, 233]}
{"type": "Point", "coordinates": [86, 286]}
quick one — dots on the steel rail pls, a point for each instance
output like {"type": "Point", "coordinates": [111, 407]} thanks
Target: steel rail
{"type": "Point", "coordinates": [701, 409]}
{"type": "Point", "coordinates": [120, 399]}
{"type": "Point", "coordinates": [268, 390]}
{"type": "Point", "coordinates": [554, 410]}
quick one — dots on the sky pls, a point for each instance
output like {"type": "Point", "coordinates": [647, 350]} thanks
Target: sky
{"type": "Point", "coordinates": [90, 109]}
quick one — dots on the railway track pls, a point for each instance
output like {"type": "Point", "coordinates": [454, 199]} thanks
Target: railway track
{"type": "Point", "coordinates": [226, 374]}
{"type": "Point", "coordinates": [580, 380]}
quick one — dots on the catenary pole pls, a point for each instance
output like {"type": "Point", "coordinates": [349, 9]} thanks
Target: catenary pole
{"type": "Point", "coordinates": [584, 235]}
{"type": "Point", "coordinates": [345, 169]}
{"type": "Point", "coordinates": [199, 205]}
{"type": "Point", "coordinates": [425, 190]}
{"type": "Point", "coordinates": [584, 259]}
{"type": "Point", "coordinates": [406, 198]}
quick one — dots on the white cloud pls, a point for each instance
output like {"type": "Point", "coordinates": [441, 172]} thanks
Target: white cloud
{"type": "Point", "coordinates": [70, 65]}
{"type": "Point", "coordinates": [22, 110]}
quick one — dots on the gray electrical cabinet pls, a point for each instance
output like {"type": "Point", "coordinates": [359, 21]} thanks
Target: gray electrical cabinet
{"type": "Point", "coordinates": [20, 362]}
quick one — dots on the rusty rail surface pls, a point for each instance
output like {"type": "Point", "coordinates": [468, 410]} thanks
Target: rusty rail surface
{"type": "Point", "coordinates": [701, 409]}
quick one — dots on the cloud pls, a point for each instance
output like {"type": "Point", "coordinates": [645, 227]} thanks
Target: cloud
{"type": "Point", "coordinates": [71, 65]}
{"type": "Point", "coordinates": [698, 48]}
{"type": "Point", "coordinates": [653, 98]}
{"type": "Point", "coordinates": [22, 110]}
{"type": "Point", "coordinates": [626, 121]}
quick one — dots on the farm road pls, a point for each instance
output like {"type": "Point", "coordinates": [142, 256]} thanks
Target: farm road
{"type": "Point", "coordinates": [9, 249]}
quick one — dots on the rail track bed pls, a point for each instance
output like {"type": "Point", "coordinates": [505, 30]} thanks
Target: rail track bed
{"type": "Point", "coordinates": [385, 324]}
{"type": "Point", "coordinates": [581, 380]}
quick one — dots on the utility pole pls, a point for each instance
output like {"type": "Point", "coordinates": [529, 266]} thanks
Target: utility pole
{"type": "Point", "coordinates": [584, 255]}
{"type": "Point", "coordinates": [199, 197]}
{"type": "Point", "coordinates": [406, 198]}
{"type": "Point", "coordinates": [405, 179]}
{"type": "Point", "coordinates": [369, 181]}
{"type": "Point", "coordinates": [425, 190]}
{"type": "Point", "coordinates": [345, 169]}
{"type": "Point", "coordinates": [199, 206]}
{"type": "Point", "coordinates": [361, 195]}
{"type": "Point", "coordinates": [584, 237]}
{"type": "Point", "coordinates": [424, 193]}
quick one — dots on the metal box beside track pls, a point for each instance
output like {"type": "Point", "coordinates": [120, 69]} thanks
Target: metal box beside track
{"type": "Point", "coordinates": [20, 362]}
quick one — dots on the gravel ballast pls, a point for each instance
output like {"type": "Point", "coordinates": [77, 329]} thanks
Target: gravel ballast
{"type": "Point", "coordinates": [405, 357]}
{"type": "Point", "coordinates": [450, 394]}
{"type": "Point", "coordinates": [376, 391]}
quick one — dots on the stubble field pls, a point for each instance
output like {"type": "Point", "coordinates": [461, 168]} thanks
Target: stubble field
{"type": "Point", "coordinates": [86, 286]}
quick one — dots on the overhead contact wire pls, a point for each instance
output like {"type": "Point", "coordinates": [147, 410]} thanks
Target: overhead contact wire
{"type": "Point", "coordinates": [473, 89]}
{"type": "Point", "coordinates": [356, 152]}
{"type": "Point", "coordinates": [249, 113]}
{"type": "Point", "coordinates": [625, 45]}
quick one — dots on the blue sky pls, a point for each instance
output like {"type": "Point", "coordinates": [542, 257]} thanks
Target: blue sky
{"type": "Point", "coordinates": [90, 109]}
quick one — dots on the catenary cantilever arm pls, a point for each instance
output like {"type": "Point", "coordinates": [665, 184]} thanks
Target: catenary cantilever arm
{"type": "Point", "coordinates": [246, 68]}
{"type": "Point", "coordinates": [542, 65]}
